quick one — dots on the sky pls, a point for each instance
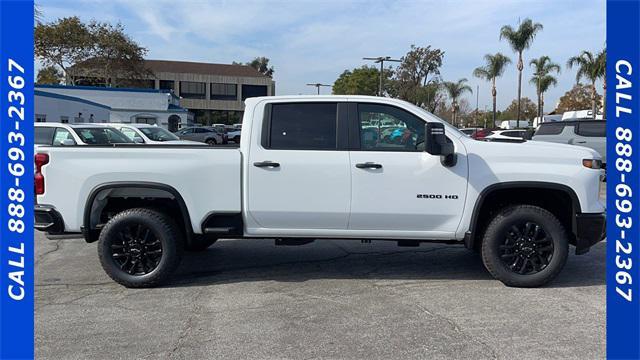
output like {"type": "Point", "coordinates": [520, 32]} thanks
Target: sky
{"type": "Point", "coordinates": [315, 41]}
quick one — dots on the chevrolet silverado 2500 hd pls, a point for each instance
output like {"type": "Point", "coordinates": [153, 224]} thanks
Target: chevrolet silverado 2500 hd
{"type": "Point", "coordinates": [346, 167]}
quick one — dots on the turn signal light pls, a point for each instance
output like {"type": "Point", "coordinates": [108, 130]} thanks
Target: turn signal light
{"type": "Point", "coordinates": [592, 163]}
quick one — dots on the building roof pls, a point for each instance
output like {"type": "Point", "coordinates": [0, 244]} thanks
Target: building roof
{"type": "Point", "coordinates": [202, 68]}
{"type": "Point", "coordinates": [69, 98]}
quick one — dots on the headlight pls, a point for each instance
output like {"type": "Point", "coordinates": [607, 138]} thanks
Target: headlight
{"type": "Point", "coordinates": [592, 163]}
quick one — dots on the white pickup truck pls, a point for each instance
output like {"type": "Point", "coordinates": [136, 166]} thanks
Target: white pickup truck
{"type": "Point", "coordinates": [308, 169]}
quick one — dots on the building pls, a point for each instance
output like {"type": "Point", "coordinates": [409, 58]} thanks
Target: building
{"type": "Point", "coordinates": [214, 93]}
{"type": "Point", "coordinates": [90, 104]}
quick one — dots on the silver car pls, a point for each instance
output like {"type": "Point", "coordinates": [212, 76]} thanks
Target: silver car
{"type": "Point", "coordinates": [588, 133]}
{"type": "Point", "coordinates": [201, 134]}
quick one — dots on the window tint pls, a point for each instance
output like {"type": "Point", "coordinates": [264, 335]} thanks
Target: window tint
{"type": "Point", "coordinates": [310, 126]}
{"type": "Point", "coordinates": [553, 128]}
{"type": "Point", "coordinates": [131, 134]}
{"type": "Point", "coordinates": [387, 128]}
{"type": "Point", "coordinates": [221, 91]}
{"type": "Point", "coordinates": [61, 135]}
{"type": "Point", "coordinates": [44, 135]}
{"type": "Point", "coordinates": [591, 129]}
{"type": "Point", "coordinates": [514, 134]}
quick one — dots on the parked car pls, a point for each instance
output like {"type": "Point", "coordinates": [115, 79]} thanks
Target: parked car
{"type": "Point", "coordinates": [234, 135]}
{"type": "Point", "coordinates": [470, 131]}
{"type": "Point", "coordinates": [202, 134]}
{"type": "Point", "coordinates": [149, 134]}
{"type": "Point", "coordinates": [507, 135]}
{"type": "Point", "coordinates": [587, 133]}
{"type": "Point", "coordinates": [305, 175]}
{"type": "Point", "coordinates": [77, 134]}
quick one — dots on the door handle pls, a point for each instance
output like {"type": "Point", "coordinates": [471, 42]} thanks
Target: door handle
{"type": "Point", "coordinates": [580, 142]}
{"type": "Point", "coordinates": [267, 163]}
{"type": "Point", "coordinates": [369, 165]}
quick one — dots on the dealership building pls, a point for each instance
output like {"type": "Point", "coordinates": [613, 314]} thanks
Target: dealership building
{"type": "Point", "coordinates": [213, 93]}
{"type": "Point", "coordinates": [90, 104]}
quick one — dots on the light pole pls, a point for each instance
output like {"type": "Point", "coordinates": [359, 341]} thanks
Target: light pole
{"type": "Point", "coordinates": [318, 85]}
{"type": "Point", "coordinates": [381, 60]}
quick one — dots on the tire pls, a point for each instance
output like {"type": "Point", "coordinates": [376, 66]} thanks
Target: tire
{"type": "Point", "coordinates": [211, 142]}
{"type": "Point", "coordinates": [530, 257]}
{"type": "Point", "coordinates": [140, 248]}
{"type": "Point", "coordinates": [199, 245]}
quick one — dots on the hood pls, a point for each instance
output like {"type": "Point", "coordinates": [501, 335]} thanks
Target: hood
{"type": "Point", "coordinates": [531, 151]}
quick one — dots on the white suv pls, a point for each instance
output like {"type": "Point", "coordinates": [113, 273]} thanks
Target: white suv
{"type": "Point", "coordinates": [77, 134]}
{"type": "Point", "coordinates": [587, 133]}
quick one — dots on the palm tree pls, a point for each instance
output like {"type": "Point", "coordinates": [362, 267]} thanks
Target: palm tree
{"type": "Point", "coordinates": [520, 40]}
{"type": "Point", "coordinates": [455, 90]}
{"type": "Point", "coordinates": [542, 77]}
{"type": "Point", "coordinates": [495, 66]}
{"type": "Point", "coordinates": [591, 67]}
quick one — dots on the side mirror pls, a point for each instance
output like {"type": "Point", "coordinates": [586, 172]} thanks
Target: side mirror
{"type": "Point", "coordinates": [138, 140]}
{"type": "Point", "coordinates": [437, 143]}
{"type": "Point", "coordinates": [68, 142]}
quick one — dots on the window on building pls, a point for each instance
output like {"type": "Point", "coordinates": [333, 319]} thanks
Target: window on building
{"type": "Point", "coordinates": [41, 118]}
{"type": "Point", "coordinates": [167, 84]}
{"type": "Point", "coordinates": [64, 119]}
{"type": "Point", "coordinates": [220, 91]}
{"type": "Point", "coordinates": [146, 120]}
{"type": "Point", "coordinates": [192, 90]}
{"type": "Point", "coordinates": [303, 126]}
{"type": "Point", "coordinates": [253, 91]}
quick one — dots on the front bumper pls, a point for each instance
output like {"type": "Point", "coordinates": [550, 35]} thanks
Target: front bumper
{"type": "Point", "coordinates": [47, 219]}
{"type": "Point", "coordinates": [590, 229]}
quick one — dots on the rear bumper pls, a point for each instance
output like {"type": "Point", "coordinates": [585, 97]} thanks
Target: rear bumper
{"type": "Point", "coordinates": [590, 229]}
{"type": "Point", "coordinates": [48, 219]}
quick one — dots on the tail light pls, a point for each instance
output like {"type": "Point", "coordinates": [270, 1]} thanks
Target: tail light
{"type": "Point", "coordinates": [38, 180]}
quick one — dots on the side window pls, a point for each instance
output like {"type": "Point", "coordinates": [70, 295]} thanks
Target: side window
{"type": "Point", "coordinates": [44, 135]}
{"type": "Point", "coordinates": [591, 129]}
{"type": "Point", "coordinates": [387, 128]}
{"type": "Point", "coordinates": [514, 134]}
{"type": "Point", "coordinates": [303, 126]}
{"type": "Point", "coordinates": [553, 128]}
{"type": "Point", "coordinates": [131, 134]}
{"type": "Point", "coordinates": [61, 135]}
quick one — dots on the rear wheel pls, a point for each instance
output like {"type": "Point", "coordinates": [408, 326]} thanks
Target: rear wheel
{"type": "Point", "coordinates": [525, 246]}
{"type": "Point", "coordinates": [140, 248]}
{"type": "Point", "coordinates": [212, 142]}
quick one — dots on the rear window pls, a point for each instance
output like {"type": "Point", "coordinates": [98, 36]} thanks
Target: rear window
{"type": "Point", "coordinates": [552, 128]}
{"type": "Point", "coordinates": [44, 135]}
{"type": "Point", "coordinates": [514, 134]}
{"type": "Point", "coordinates": [591, 129]}
{"type": "Point", "coordinates": [303, 126]}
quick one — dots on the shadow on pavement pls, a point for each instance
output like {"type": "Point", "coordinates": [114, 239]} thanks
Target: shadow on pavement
{"type": "Point", "coordinates": [235, 261]}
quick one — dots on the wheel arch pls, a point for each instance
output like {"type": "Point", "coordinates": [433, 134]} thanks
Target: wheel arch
{"type": "Point", "coordinates": [91, 233]}
{"type": "Point", "coordinates": [472, 240]}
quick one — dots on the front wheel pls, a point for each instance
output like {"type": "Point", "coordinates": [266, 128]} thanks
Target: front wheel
{"type": "Point", "coordinates": [212, 142]}
{"type": "Point", "coordinates": [525, 246]}
{"type": "Point", "coordinates": [140, 248]}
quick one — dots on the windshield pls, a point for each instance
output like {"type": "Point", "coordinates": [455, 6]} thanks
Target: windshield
{"type": "Point", "coordinates": [158, 134]}
{"type": "Point", "coordinates": [102, 136]}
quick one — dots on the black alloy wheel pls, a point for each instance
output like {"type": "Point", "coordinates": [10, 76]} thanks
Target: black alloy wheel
{"type": "Point", "coordinates": [527, 248]}
{"type": "Point", "coordinates": [136, 250]}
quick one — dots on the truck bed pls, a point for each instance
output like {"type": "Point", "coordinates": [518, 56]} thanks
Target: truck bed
{"type": "Point", "coordinates": [206, 177]}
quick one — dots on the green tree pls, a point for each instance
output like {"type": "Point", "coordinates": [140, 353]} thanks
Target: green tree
{"type": "Point", "coordinates": [578, 98]}
{"type": "Point", "coordinates": [416, 79]}
{"type": "Point", "coordinates": [542, 78]}
{"type": "Point", "coordinates": [454, 91]}
{"type": "Point", "coordinates": [259, 63]}
{"type": "Point", "coordinates": [591, 67]}
{"type": "Point", "coordinates": [63, 43]}
{"type": "Point", "coordinates": [359, 81]}
{"type": "Point", "coordinates": [520, 40]}
{"type": "Point", "coordinates": [494, 68]}
{"type": "Point", "coordinates": [528, 110]}
{"type": "Point", "coordinates": [49, 75]}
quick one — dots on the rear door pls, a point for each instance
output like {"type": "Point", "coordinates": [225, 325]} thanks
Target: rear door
{"type": "Point", "coordinates": [396, 186]}
{"type": "Point", "coordinates": [592, 134]}
{"type": "Point", "coordinates": [298, 171]}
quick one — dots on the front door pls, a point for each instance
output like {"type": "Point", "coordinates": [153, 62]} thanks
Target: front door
{"type": "Point", "coordinates": [396, 186]}
{"type": "Point", "coordinates": [298, 177]}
